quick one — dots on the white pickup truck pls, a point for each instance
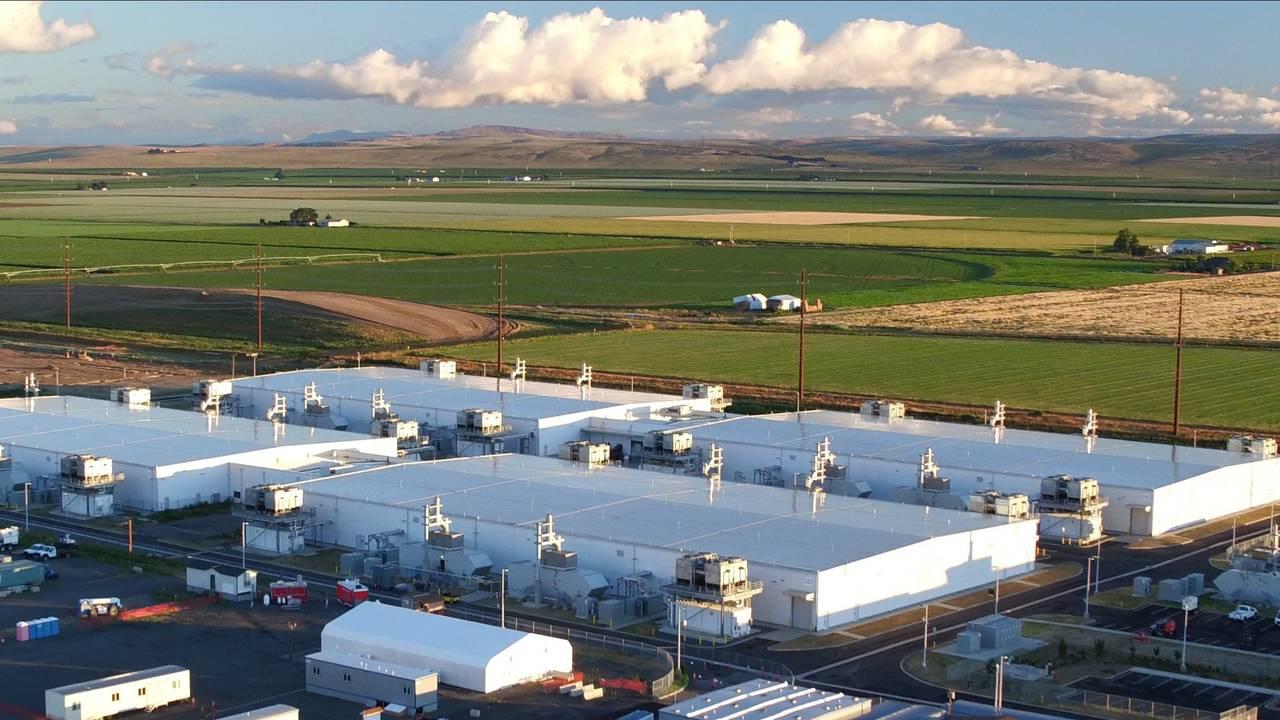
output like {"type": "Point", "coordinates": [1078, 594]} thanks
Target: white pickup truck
{"type": "Point", "coordinates": [41, 552]}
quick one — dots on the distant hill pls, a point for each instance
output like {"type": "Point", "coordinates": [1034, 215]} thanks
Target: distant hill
{"type": "Point", "coordinates": [500, 146]}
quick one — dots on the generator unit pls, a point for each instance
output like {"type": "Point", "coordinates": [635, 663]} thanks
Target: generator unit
{"type": "Point", "coordinates": [1069, 492]}
{"type": "Point", "coordinates": [585, 452]}
{"type": "Point", "coordinates": [1263, 447]}
{"type": "Point", "coordinates": [210, 395]}
{"type": "Point", "coordinates": [884, 409]}
{"type": "Point", "coordinates": [446, 553]}
{"type": "Point", "coordinates": [439, 369]}
{"type": "Point", "coordinates": [706, 391]}
{"type": "Point", "coordinates": [710, 571]}
{"type": "Point", "coordinates": [992, 502]}
{"type": "Point", "coordinates": [711, 596]}
{"type": "Point", "coordinates": [476, 421]}
{"type": "Point", "coordinates": [273, 499]}
{"type": "Point", "coordinates": [132, 396]}
{"type": "Point", "coordinates": [668, 442]}
{"type": "Point", "coordinates": [86, 470]}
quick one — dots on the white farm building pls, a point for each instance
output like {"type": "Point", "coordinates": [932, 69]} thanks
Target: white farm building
{"type": "Point", "coordinates": [1151, 489]}
{"type": "Point", "coordinates": [168, 458]}
{"type": "Point", "coordinates": [536, 420]}
{"type": "Point", "coordinates": [822, 564]}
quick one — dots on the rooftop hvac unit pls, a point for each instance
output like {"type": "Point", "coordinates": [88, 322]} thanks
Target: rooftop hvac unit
{"type": "Point", "coordinates": [707, 391]}
{"type": "Point", "coordinates": [676, 411]}
{"type": "Point", "coordinates": [560, 559]}
{"type": "Point", "coordinates": [484, 422]}
{"type": "Point", "coordinates": [584, 451]}
{"type": "Point", "coordinates": [884, 409]}
{"type": "Point", "coordinates": [1064, 488]}
{"type": "Point", "coordinates": [670, 442]}
{"type": "Point", "coordinates": [440, 369]}
{"type": "Point", "coordinates": [86, 469]}
{"type": "Point", "coordinates": [1263, 447]}
{"type": "Point", "coordinates": [210, 388]}
{"type": "Point", "coordinates": [273, 499]}
{"type": "Point", "coordinates": [991, 502]}
{"type": "Point", "coordinates": [402, 430]}
{"type": "Point", "coordinates": [445, 539]}
{"type": "Point", "coordinates": [709, 570]}
{"type": "Point", "coordinates": [936, 483]}
{"type": "Point", "coordinates": [131, 395]}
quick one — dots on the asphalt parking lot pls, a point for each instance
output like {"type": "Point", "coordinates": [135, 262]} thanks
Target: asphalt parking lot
{"type": "Point", "coordinates": [80, 578]}
{"type": "Point", "coordinates": [1181, 690]}
{"type": "Point", "coordinates": [1260, 634]}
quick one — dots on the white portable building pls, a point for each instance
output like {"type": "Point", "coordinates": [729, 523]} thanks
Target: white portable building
{"type": "Point", "coordinates": [750, 301]}
{"type": "Point", "coordinates": [169, 458]}
{"type": "Point", "coordinates": [824, 562]}
{"type": "Point", "coordinates": [232, 583]}
{"type": "Point", "coordinates": [105, 697]}
{"type": "Point", "coordinates": [272, 712]}
{"type": "Point", "coordinates": [469, 655]}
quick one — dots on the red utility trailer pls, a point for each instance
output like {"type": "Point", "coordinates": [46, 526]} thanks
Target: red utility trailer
{"type": "Point", "coordinates": [288, 592]}
{"type": "Point", "coordinates": [351, 592]}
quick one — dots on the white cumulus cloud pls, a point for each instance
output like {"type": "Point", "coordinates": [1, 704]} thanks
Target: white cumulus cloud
{"type": "Point", "coordinates": [934, 60]}
{"type": "Point", "coordinates": [586, 57]}
{"type": "Point", "coordinates": [8, 127]}
{"type": "Point", "coordinates": [23, 30]}
{"type": "Point", "coordinates": [873, 123]}
{"type": "Point", "coordinates": [1236, 107]}
{"type": "Point", "coordinates": [942, 125]}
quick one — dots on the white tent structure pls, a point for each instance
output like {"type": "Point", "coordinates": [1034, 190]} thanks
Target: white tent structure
{"type": "Point", "coordinates": [469, 655]}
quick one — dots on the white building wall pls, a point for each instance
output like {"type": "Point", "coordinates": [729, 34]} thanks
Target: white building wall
{"type": "Point", "coordinates": [1214, 494]}
{"type": "Point", "coordinates": [929, 569]}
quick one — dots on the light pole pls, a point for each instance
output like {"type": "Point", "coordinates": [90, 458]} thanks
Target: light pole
{"type": "Point", "coordinates": [254, 357]}
{"type": "Point", "coordinates": [1088, 579]}
{"type": "Point", "coordinates": [679, 636]}
{"type": "Point", "coordinates": [1187, 603]}
{"type": "Point", "coordinates": [924, 662]}
{"type": "Point", "coordinates": [502, 600]}
{"type": "Point", "coordinates": [1097, 572]}
{"type": "Point", "coordinates": [26, 505]}
{"type": "Point", "coordinates": [244, 536]}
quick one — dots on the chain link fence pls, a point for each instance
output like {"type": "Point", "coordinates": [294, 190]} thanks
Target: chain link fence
{"type": "Point", "coordinates": [1099, 704]}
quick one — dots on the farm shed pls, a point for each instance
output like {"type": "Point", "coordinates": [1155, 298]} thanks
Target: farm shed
{"type": "Point", "coordinates": [784, 303]}
{"type": "Point", "coordinates": [536, 420]}
{"type": "Point", "coordinates": [169, 458]}
{"type": "Point", "coordinates": [104, 697]}
{"type": "Point", "coordinates": [1192, 246]}
{"type": "Point", "coordinates": [822, 564]}
{"type": "Point", "coordinates": [229, 582]}
{"type": "Point", "coordinates": [1152, 489]}
{"type": "Point", "coordinates": [468, 655]}
{"type": "Point", "coordinates": [750, 301]}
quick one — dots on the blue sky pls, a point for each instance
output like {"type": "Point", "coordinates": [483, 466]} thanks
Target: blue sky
{"type": "Point", "coordinates": [80, 72]}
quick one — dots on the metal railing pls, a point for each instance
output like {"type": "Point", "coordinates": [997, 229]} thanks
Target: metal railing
{"type": "Point", "coordinates": [658, 687]}
{"type": "Point", "coordinates": [1101, 704]}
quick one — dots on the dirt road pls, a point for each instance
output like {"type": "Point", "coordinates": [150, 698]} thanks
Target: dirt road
{"type": "Point", "coordinates": [435, 323]}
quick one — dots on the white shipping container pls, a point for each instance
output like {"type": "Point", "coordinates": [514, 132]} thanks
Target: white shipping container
{"type": "Point", "coordinates": [109, 696]}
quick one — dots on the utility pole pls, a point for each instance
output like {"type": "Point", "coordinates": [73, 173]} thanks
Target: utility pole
{"type": "Point", "coordinates": [130, 522]}
{"type": "Point", "coordinates": [1097, 570]}
{"type": "Point", "coordinates": [503, 600]}
{"type": "Point", "coordinates": [502, 292]}
{"type": "Point", "coordinates": [259, 285]}
{"type": "Point", "coordinates": [1088, 579]}
{"type": "Point", "coordinates": [1177, 375]}
{"type": "Point", "coordinates": [804, 300]}
{"type": "Point", "coordinates": [66, 275]}
{"type": "Point", "coordinates": [244, 537]}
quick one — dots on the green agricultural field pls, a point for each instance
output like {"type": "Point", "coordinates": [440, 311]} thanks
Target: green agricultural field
{"type": "Point", "coordinates": [39, 243]}
{"type": "Point", "coordinates": [702, 277]}
{"type": "Point", "coordinates": [1223, 387]}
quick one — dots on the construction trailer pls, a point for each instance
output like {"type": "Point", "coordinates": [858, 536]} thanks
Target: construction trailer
{"type": "Point", "coordinates": [824, 561]}
{"type": "Point", "coordinates": [160, 458]}
{"type": "Point", "coordinates": [118, 694]}
{"type": "Point", "coordinates": [1150, 488]}
{"type": "Point", "coordinates": [536, 420]}
{"type": "Point", "coordinates": [468, 655]}
{"type": "Point", "coordinates": [232, 583]}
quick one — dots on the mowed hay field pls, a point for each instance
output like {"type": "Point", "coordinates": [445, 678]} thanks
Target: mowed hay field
{"type": "Point", "coordinates": [1231, 308]}
{"type": "Point", "coordinates": [1221, 386]}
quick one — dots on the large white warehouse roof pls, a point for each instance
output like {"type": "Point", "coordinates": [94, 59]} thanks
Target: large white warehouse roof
{"type": "Point", "coordinates": [975, 448]}
{"type": "Point", "coordinates": [766, 524]}
{"type": "Point", "coordinates": [404, 387]}
{"type": "Point", "coordinates": [145, 436]}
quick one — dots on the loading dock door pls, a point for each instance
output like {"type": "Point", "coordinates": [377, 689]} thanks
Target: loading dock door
{"type": "Point", "coordinates": [801, 609]}
{"type": "Point", "coordinates": [1139, 520]}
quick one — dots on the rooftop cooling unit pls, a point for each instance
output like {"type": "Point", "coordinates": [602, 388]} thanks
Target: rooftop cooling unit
{"type": "Point", "coordinates": [483, 422]}
{"type": "Point", "coordinates": [706, 391]}
{"type": "Point", "coordinates": [132, 396]}
{"type": "Point", "coordinates": [884, 409]}
{"type": "Point", "coordinates": [1263, 447]}
{"type": "Point", "coordinates": [440, 369]}
{"type": "Point", "coordinates": [586, 452]}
